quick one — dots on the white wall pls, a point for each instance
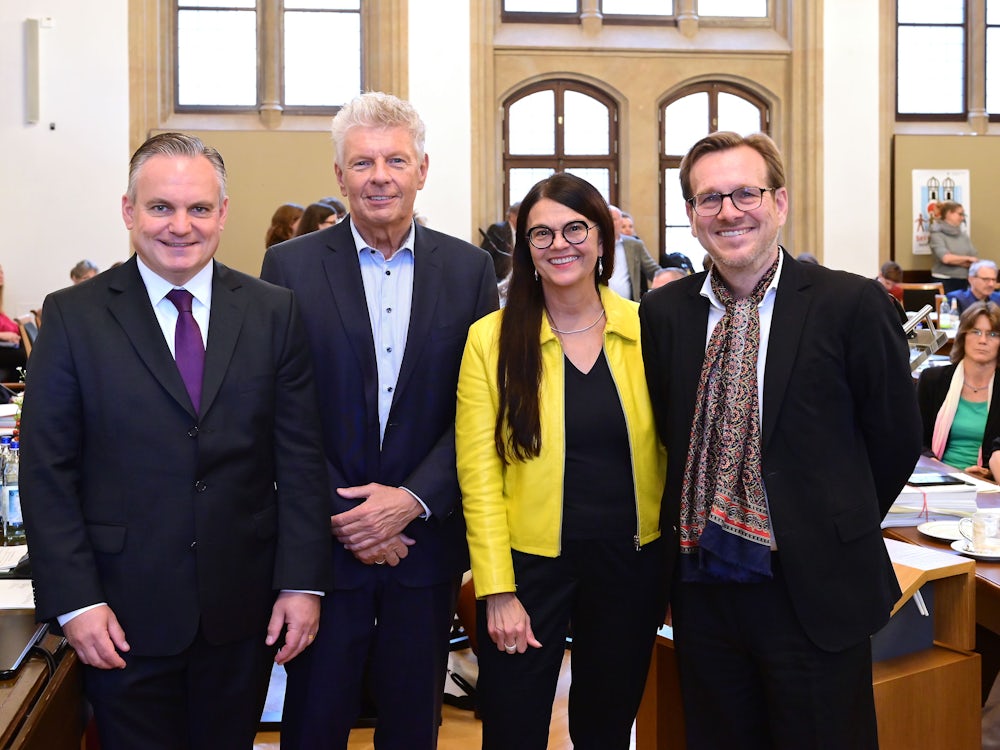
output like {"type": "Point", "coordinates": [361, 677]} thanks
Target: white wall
{"type": "Point", "coordinates": [851, 136]}
{"type": "Point", "coordinates": [60, 189]}
{"type": "Point", "coordinates": [440, 90]}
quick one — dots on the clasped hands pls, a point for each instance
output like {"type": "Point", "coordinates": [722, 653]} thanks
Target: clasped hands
{"type": "Point", "coordinates": [373, 530]}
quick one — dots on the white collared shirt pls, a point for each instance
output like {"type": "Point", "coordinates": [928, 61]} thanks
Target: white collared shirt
{"type": "Point", "coordinates": [200, 286]}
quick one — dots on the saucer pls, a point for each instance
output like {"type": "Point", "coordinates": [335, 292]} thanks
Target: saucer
{"type": "Point", "coordinates": [960, 546]}
{"type": "Point", "coordinates": [946, 531]}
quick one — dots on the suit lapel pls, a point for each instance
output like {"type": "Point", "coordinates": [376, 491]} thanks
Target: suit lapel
{"type": "Point", "coordinates": [427, 273]}
{"type": "Point", "coordinates": [347, 295]}
{"type": "Point", "coordinates": [225, 322]}
{"type": "Point", "coordinates": [129, 305]}
{"type": "Point", "coordinates": [692, 335]}
{"type": "Point", "coordinates": [790, 308]}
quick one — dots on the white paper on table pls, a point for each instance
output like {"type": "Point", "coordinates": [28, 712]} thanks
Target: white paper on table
{"type": "Point", "coordinates": [16, 594]}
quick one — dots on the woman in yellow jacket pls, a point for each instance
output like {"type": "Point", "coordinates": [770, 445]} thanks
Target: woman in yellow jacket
{"type": "Point", "coordinates": [561, 474]}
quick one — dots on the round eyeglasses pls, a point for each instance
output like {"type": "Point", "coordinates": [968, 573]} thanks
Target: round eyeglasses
{"type": "Point", "coordinates": [744, 198]}
{"type": "Point", "coordinates": [542, 237]}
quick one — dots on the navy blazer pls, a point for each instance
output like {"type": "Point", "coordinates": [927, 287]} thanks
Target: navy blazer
{"type": "Point", "coordinates": [178, 520]}
{"type": "Point", "coordinates": [453, 286]}
{"type": "Point", "coordinates": [840, 434]}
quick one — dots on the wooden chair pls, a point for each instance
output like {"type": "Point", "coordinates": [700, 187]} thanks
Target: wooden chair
{"type": "Point", "coordinates": [916, 295]}
{"type": "Point", "coordinates": [29, 332]}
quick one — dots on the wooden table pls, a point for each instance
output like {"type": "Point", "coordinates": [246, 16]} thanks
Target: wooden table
{"type": "Point", "coordinates": [43, 712]}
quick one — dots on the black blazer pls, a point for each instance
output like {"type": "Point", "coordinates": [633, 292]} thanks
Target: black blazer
{"type": "Point", "coordinates": [176, 519]}
{"type": "Point", "coordinates": [931, 391]}
{"type": "Point", "coordinates": [840, 434]}
{"type": "Point", "coordinates": [453, 286]}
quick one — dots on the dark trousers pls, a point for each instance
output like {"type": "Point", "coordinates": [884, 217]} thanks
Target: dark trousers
{"type": "Point", "coordinates": [401, 633]}
{"type": "Point", "coordinates": [954, 285]}
{"type": "Point", "coordinates": [206, 698]}
{"type": "Point", "coordinates": [752, 680]}
{"type": "Point", "coordinates": [614, 598]}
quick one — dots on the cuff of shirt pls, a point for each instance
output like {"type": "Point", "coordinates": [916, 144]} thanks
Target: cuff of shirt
{"type": "Point", "coordinates": [63, 619]}
{"type": "Point", "coordinates": [427, 511]}
{"type": "Point", "coordinates": [301, 591]}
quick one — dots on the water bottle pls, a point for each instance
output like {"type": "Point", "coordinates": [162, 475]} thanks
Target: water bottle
{"type": "Point", "coordinates": [13, 527]}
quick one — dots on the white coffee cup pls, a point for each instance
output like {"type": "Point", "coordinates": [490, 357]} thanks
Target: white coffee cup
{"type": "Point", "coordinates": [982, 531]}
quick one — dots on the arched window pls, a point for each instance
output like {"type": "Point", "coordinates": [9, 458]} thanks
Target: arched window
{"type": "Point", "coordinates": [685, 117]}
{"type": "Point", "coordinates": [559, 126]}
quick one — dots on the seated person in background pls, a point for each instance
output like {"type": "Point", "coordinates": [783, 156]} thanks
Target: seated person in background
{"type": "Point", "coordinates": [316, 216]}
{"type": "Point", "coordinates": [678, 260]}
{"type": "Point", "coordinates": [960, 403]}
{"type": "Point", "coordinates": [891, 276]}
{"type": "Point", "coordinates": [85, 269]}
{"type": "Point", "coordinates": [498, 241]}
{"type": "Point", "coordinates": [284, 223]}
{"type": "Point", "coordinates": [665, 275]}
{"type": "Point", "coordinates": [982, 285]}
{"type": "Point", "coordinates": [634, 267]}
{"type": "Point", "coordinates": [337, 205]}
{"type": "Point", "coordinates": [11, 353]}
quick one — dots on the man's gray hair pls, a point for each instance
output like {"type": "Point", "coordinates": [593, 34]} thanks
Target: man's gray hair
{"type": "Point", "coordinates": [173, 145]}
{"type": "Point", "coordinates": [376, 109]}
{"type": "Point", "coordinates": [974, 268]}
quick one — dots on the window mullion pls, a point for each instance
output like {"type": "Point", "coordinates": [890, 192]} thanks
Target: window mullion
{"type": "Point", "coordinates": [976, 66]}
{"type": "Point", "coordinates": [269, 44]}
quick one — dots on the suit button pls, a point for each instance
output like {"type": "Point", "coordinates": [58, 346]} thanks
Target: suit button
{"type": "Point", "coordinates": [193, 432]}
{"type": "Point", "coordinates": [194, 544]}
{"type": "Point", "coordinates": [200, 486]}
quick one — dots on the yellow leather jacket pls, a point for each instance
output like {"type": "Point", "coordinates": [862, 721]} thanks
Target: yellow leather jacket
{"type": "Point", "coordinates": [520, 506]}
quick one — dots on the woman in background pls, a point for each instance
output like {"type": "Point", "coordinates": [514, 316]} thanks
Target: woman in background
{"type": "Point", "coordinates": [561, 473]}
{"type": "Point", "coordinates": [284, 222]}
{"type": "Point", "coordinates": [952, 248]}
{"type": "Point", "coordinates": [11, 352]}
{"type": "Point", "coordinates": [316, 216]}
{"type": "Point", "coordinates": [960, 403]}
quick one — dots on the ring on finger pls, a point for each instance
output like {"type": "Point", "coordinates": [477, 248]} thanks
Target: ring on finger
{"type": "Point", "coordinates": [380, 561]}
{"type": "Point", "coordinates": [510, 648]}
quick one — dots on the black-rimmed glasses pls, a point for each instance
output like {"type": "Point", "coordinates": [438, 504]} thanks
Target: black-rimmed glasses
{"type": "Point", "coordinates": [542, 237]}
{"type": "Point", "coordinates": [745, 199]}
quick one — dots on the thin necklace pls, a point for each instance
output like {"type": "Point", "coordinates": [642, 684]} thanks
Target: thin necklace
{"type": "Point", "coordinates": [579, 330]}
{"type": "Point", "coordinates": [973, 388]}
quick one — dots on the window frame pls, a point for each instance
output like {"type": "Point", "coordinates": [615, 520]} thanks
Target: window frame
{"type": "Point", "coordinates": [966, 68]}
{"type": "Point", "coordinates": [558, 160]}
{"type": "Point", "coordinates": [270, 41]}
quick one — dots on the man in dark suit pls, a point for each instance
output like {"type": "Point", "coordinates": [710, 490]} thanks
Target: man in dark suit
{"type": "Point", "coordinates": [635, 268]}
{"type": "Point", "coordinates": [387, 305]}
{"type": "Point", "coordinates": [782, 392]}
{"type": "Point", "coordinates": [498, 241]}
{"type": "Point", "coordinates": [982, 286]}
{"type": "Point", "coordinates": [170, 490]}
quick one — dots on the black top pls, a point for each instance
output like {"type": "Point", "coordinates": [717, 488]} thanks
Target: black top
{"type": "Point", "coordinates": [598, 489]}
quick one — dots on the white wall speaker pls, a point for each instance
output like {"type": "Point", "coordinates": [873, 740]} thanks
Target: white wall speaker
{"type": "Point", "coordinates": [32, 70]}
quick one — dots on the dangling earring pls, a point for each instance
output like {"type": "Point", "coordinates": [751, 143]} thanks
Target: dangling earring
{"type": "Point", "coordinates": [600, 266]}
{"type": "Point", "coordinates": [536, 274]}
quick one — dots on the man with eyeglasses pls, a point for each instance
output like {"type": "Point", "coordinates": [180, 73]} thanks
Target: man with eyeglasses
{"type": "Point", "coordinates": [782, 392]}
{"type": "Point", "coordinates": [982, 285]}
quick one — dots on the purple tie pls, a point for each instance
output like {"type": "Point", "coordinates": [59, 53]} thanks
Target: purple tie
{"type": "Point", "coordinates": [189, 350]}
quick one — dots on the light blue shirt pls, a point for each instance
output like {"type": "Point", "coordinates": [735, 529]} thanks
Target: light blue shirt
{"type": "Point", "coordinates": [620, 281]}
{"type": "Point", "coordinates": [389, 296]}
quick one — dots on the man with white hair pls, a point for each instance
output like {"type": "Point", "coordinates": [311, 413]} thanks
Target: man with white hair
{"type": "Point", "coordinates": [634, 267]}
{"type": "Point", "coordinates": [982, 286]}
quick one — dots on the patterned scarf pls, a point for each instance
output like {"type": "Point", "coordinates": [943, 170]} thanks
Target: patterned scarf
{"type": "Point", "coordinates": [722, 476]}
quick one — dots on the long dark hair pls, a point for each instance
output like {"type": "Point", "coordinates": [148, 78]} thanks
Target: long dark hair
{"type": "Point", "coordinates": [518, 432]}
